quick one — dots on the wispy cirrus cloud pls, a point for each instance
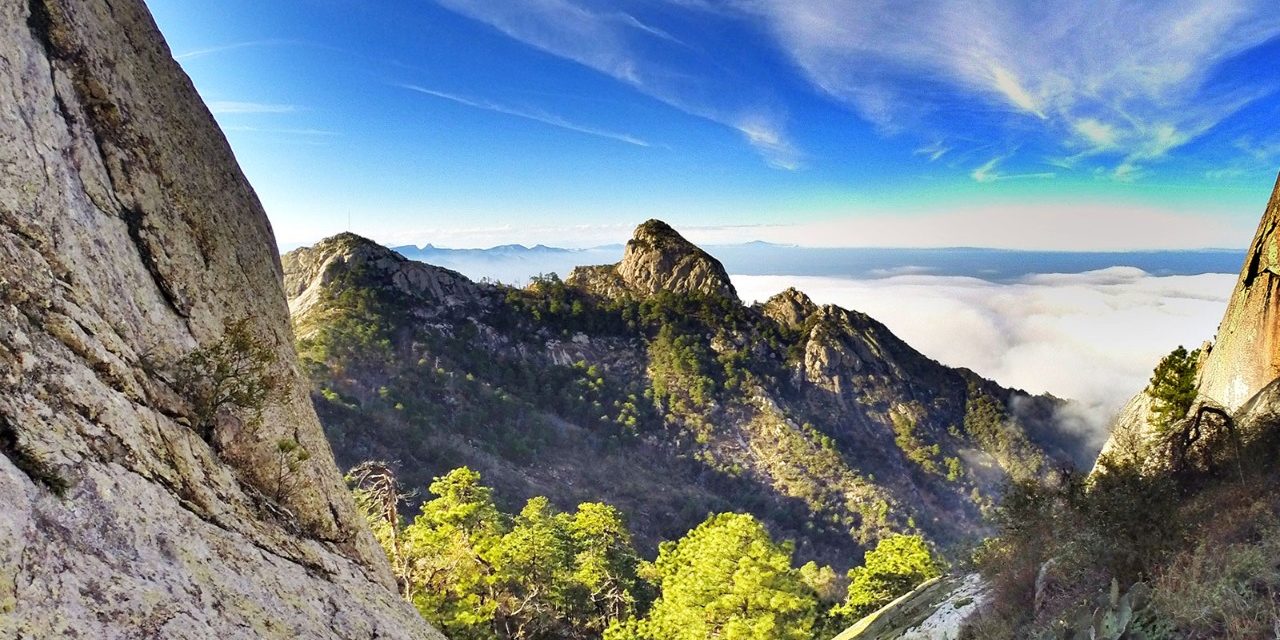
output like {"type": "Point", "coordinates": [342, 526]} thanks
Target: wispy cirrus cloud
{"type": "Point", "coordinates": [1116, 81]}
{"type": "Point", "coordinates": [989, 172]}
{"type": "Point", "coordinates": [618, 45]}
{"type": "Point", "coordinates": [231, 46]}
{"type": "Point", "coordinates": [529, 114]}
{"type": "Point", "coordinates": [221, 107]}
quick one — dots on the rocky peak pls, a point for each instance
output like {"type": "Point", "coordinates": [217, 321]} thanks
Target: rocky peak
{"type": "Point", "coordinates": [790, 308]}
{"type": "Point", "coordinates": [657, 258]}
{"type": "Point", "coordinates": [307, 271]}
{"type": "Point", "coordinates": [1246, 353]}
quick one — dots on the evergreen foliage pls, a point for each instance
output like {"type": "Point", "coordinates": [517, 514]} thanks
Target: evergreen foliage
{"type": "Point", "coordinates": [477, 573]}
{"type": "Point", "coordinates": [726, 579]}
{"type": "Point", "coordinates": [897, 565]}
{"type": "Point", "coordinates": [1173, 387]}
{"type": "Point", "coordinates": [233, 373]}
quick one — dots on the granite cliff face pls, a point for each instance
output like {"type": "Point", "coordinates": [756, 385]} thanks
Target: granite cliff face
{"type": "Point", "coordinates": [657, 258]}
{"type": "Point", "coordinates": [128, 239]}
{"type": "Point", "coordinates": [1244, 357]}
{"type": "Point", "coordinates": [1246, 352]}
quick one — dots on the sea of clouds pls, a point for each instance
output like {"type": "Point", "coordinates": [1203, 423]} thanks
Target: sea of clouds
{"type": "Point", "coordinates": [1092, 337]}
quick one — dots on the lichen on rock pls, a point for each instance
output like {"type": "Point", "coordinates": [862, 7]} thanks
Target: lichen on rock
{"type": "Point", "coordinates": [128, 239]}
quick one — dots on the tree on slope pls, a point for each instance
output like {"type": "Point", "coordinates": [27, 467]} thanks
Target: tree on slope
{"type": "Point", "coordinates": [897, 565]}
{"type": "Point", "coordinates": [726, 579]}
{"type": "Point", "coordinates": [1173, 387]}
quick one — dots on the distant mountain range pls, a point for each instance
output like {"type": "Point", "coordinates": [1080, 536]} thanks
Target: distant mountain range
{"type": "Point", "coordinates": [516, 264]}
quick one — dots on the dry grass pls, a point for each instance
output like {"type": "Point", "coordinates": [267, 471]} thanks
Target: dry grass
{"type": "Point", "coordinates": [1228, 584]}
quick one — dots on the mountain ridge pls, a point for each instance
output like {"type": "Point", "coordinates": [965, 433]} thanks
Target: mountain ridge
{"type": "Point", "coordinates": [713, 391]}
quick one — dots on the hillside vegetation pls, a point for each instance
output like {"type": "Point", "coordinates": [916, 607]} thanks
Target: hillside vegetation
{"type": "Point", "coordinates": [661, 394]}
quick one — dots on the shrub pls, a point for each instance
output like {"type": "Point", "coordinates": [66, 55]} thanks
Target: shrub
{"type": "Point", "coordinates": [289, 458]}
{"type": "Point", "coordinates": [234, 372]}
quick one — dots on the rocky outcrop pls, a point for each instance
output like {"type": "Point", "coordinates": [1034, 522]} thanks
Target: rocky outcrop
{"type": "Point", "coordinates": [791, 308]}
{"type": "Point", "coordinates": [1246, 353]}
{"type": "Point", "coordinates": [1131, 431]}
{"type": "Point", "coordinates": [657, 259]}
{"type": "Point", "coordinates": [309, 270]}
{"type": "Point", "coordinates": [129, 238]}
{"type": "Point", "coordinates": [935, 610]}
{"type": "Point", "coordinates": [1243, 358]}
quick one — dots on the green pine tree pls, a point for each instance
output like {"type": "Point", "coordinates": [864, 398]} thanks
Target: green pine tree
{"type": "Point", "coordinates": [1173, 387]}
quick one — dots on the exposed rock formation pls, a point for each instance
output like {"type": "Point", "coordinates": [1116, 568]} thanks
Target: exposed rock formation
{"type": "Point", "coordinates": [307, 271]}
{"type": "Point", "coordinates": [1244, 357]}
{"type": "Point", "coordinates": [658, 259]}
{"type": "Point", "coordinates": [1246, 352]}
{"type": "Point", "coordinates": [935, 610]}
{"type": "Point", "coordinates": [791, 308]}
{"type": "Point", "coordinates": [128, 238]}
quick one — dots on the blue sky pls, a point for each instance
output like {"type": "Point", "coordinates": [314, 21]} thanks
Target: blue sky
{"type": "Point", "coordinates": [819, 122]}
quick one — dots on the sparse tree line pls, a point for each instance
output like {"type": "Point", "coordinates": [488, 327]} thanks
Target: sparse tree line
{"type": "Point", "coordinates": [476, 572]}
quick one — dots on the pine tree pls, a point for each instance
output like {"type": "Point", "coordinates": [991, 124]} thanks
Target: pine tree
{"type": "Point", "coordinates": [897, 565]}
{"type": "Point", "coordinates": [726, 579]}
{"type": "Point", "coordinates": [1173, 387]}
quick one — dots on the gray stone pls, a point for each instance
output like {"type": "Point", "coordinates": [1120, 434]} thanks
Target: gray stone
{"type": "Point", "coordinates": [128, 238]}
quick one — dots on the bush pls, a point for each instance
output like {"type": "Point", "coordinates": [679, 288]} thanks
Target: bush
{"type": "Point", "coordinates": [236, 372]}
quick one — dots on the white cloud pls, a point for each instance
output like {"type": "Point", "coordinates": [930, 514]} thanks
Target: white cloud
{"type": "Point", "coordinates": [223, 107]}
{"type": "Point", "coordinates": [1127, 79]}
{"type": "Point", "coordinates": [1092, 337]}
{"type": "Point", "coordinates": [933, 151]}
{"type": "Point", "coordinates": [200, 53]}
{"type": "Point", "coordinates": [605, 40]}
{"type": "Point", "coordinates": [529, 114]}
{"type": "Point", "coordinates": [987, 172]}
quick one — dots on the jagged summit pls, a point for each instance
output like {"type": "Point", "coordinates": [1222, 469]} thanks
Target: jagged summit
{"type": "Point", "coordinates": [307, 270]}
{"type": "Point", "coordinates": [1246, 353]}
{"type": "Point", "coordinates": [790, 307]}
{"type": "Point", "coordinates": [657, 258]}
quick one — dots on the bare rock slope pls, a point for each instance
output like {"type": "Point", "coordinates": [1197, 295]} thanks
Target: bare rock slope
{"type": "Point", "coordinates": [128, 238]}
{"type": "Point", "coordinates": [1246, 353]}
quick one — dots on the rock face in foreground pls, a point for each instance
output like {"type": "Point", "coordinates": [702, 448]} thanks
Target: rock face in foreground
{"type": "Point", "coordinates": [935, 610]}
{"type": "Point", "coordinates": [1246, 353]}
{"type": "Point", "coordinates": [657, 258]}
{"type": "Point", "coordinates": [129, 238]}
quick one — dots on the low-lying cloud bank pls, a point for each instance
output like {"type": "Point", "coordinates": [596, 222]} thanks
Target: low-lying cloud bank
{"type": "Point", "coordinates": [1092, 337]}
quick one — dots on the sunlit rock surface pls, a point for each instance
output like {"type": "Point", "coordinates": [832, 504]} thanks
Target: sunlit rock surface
{"type": "Point", "coordinates": [128, 238]}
